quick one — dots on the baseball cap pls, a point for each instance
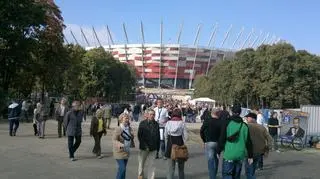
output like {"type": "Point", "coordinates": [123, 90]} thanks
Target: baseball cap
{"type": "Point", "coordinates": [252, 115]}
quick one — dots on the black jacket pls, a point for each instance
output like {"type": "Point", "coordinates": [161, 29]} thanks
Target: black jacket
{"type": "Point", "coordinates": [210, 130]}
{"type": "Point", "coordinates": [149, 135]}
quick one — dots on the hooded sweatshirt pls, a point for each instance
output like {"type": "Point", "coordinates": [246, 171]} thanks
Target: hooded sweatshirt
{"type": "Point", "coordinates": [242, 146]}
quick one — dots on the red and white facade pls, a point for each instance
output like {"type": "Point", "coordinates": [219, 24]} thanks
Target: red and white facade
{"type": "Point", "coordinates": [169, 65]}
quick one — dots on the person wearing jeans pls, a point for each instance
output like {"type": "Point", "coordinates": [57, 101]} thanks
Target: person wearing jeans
{"type": "Point", "coordinates": [72, 122]}
{"type": "Point", "coordinates": [231, 169]}
{"type": "Point", "coordinates": [210, 134]}
{"type": "Point", "coordinates": [14, 112]}
{"type": "Point", "coordinates": [149, 140]}
{"type": "Point", "coordinates": [60, 113]}
{"type": "Point", "coordinates": [122, 140]}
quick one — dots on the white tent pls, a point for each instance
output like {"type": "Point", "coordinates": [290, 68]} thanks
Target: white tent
{"type": "Point", "coordinates": [207, 100]}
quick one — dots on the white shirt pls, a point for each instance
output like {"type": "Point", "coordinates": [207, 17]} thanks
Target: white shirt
{"type": "Point", "coordinates": [62, 110]}
{"type": "Point", "coordinates": [161, 115]}
{"type": "Point", "coordinates": [260, 119]}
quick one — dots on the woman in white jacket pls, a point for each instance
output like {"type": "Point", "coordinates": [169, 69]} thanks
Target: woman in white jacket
{"type": "Point", "coordinates": [175, 133]}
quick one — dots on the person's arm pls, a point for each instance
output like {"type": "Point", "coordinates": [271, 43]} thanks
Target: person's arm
{"type": "Point", "coordinates": [140, 131]}
{"type": "Point", "coordinates": [223, 137]}
{"type": "Point", "coordinates": [249, 146]}
{"type": "Point", "coordinates": [66, 120]}
{"type": "Point", "coordinates": [202, 130]}
{"type": "Point", "coordinates": [268, 138]}
{"type": "Point", "coordinates": [92, 125]}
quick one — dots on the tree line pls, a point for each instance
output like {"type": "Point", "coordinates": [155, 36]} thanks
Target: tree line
{"type": "Point", "coordinates": [33, 57]}
{"type": "Point", "coordinates": [273, 76]}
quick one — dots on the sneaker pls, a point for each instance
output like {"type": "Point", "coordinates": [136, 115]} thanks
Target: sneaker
{"type": "Point", "coordinates": [164, 158]}
{"type": "Point", "coordinates": [278, 151]}
{"type": "Point", "coordinates": [99, 157]}
{"type": "Point", "coordinates": [72, 159]}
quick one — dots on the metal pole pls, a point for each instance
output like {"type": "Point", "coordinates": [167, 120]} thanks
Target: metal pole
{"type": "Point", "coordinates": [226, 36]}
{"type": "Point", "coordinates": [95, 34]}
{"type": "Point", "coordinates": [179, 48]}
{"type": "Point", "coordinates": [213, 35]}
{"type": "Point", "coordinates": [195, 56]}
{"type": "Point", "coordinates": [142, 52]}
{"type": "Point", "coordinates": [65, 39]}
{"type": "Point", "coordinates": [74, 37]}
{"type": "Point", "coordinates": [244, 43]}
{"type": "Point", "coordinates": [160, 62]}
{"type": "Point", "coordinates": [127, 40]}
{"type": "Point", "coordinates": [110, 36]}
{"type": "Point", "coordinates": [265, 39]}
{"type": "Point", "coordinates": [84, 36]}
{"type": "Point", "coordinates": [256, 40]}
{"type": "Point", "coordinates": [238, 36]}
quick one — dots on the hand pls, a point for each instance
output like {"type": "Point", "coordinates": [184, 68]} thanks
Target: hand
{"type": "Point", "coordinates": [250, 161]}
{"type": "Point", "coordinates": [218, 156]}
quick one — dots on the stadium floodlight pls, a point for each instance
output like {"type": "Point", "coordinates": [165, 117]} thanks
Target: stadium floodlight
{"type": "Point", "coordinates": [65, 39]}
{"type": "Point", "coordinates": [125, 33]}
{"type": "Point", "coordinates": [249, 36]}
{"type": "Point", "coordinates": [84, 36]}
{"type": "Point", "coordinates": [142, 32]}
{"type": "Point", "coordinates": [74, 37]}
{"type": "Point", "coordinates": [96, 36]}
{"type": "Point", "coordinates": [226, 36]}
{"type": "Point", "coordinates": [142, 52]}
{"type": "Point", "coordinates": [238, 37]}
{"type": "Point", "coordinates": [256, 40]}
{"type": "Point", "coordinates": [212, 38]}
{"type": "Point", "coordinates": [110, 36]}
{"type": "Point", "coordinates": [179, 49]}
{"type": "Point", "coordinates": [268, 34]}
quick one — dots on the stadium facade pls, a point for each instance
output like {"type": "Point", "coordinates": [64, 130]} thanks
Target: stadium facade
{"type": "Point", "coordinates": [168, 65]}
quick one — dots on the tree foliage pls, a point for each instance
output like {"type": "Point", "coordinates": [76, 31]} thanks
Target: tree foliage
{"type": "Point", "coordinates": [275, 76]}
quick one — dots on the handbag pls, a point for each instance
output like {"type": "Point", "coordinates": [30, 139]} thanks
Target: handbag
{"type": "Point", "coordinates": [179, 152]}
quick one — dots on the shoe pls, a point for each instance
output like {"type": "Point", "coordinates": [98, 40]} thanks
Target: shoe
{"type": "Point", "coordinates": [99, 157]}
{"type": "Point", "coordinates": [164, 158]}
{"type": "Point", "coordinates": [278, 151]}
{"type": "Point", "coordinates": [14, 133]}
{"type": "Point", "coordinates": [73, 159]}
{"type": "Point", "coordinates": [157, 157]}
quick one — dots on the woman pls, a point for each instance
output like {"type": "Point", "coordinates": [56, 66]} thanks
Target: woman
{"type": "Point", "coordinates": [122, 142]}
{"type": "Point", "coordinates": [97, 128]}
{"type": "Point", "coordinates": [40, 118]}
{"type": "Point", "coordinates": [175, 133]}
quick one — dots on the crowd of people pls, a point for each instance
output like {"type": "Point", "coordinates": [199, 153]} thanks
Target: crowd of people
{"type": "Point", "coordinates": [224, 134]}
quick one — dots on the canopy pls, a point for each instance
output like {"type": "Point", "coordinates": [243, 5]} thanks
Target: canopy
{"type": "Point", "coordinates": [208, 100]}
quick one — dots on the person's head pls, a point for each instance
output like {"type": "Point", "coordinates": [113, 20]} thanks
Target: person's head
{"type": "Point", "coordinates": [63, 101]}
{"type": "Point", "coordinates": [296, 122]}
{"type": "Point", "coordinates": [151, 114]}
{"type": "Point", "coordinates": [251, 117]}
{"type": "Point", "coordinates": [39, 106]}
{"type": "Point", "coordinates": [215, 113]}
{"type": "Point", "coordinates": [236, 109]}
{"type": "Point", "coordinates": [124, 119]}
{"type": "Point", "coordinates": [76, 106]}
{"type": "Point", "coordinates": [160, 103]}
{"type": "Point", "coordinates": [146, 115]}
{"type": "Point", "coordinates": [176, 113]}
{"type": "Point", "coordinates": [274, 115]}
{"type": "Point", "coordinates": [99, 113]}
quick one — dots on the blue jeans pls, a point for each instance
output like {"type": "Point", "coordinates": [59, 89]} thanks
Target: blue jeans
{"type": "Point", "coordinates": [122, 167]}
{"type": "Point", "coordinates": [15, 123]}
{"type": "Point", "coordinates": [251, 169]}
{"type": "Point", "coordinates": [213, 161]}
{"type": "Point", "coordinates": [231, 169]}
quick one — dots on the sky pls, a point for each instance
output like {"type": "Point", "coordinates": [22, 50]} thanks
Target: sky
{"type": "Point", "coordinates": [296, 21]}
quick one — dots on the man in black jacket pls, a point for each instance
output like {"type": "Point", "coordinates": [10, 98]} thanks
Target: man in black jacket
{"type": "Point", "coordinates": [210, 134]}
{"type": "Point", "coordinates": [149, 139]}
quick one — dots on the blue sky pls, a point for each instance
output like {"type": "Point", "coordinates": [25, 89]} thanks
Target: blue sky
{"type": "Point", "coordinates": [296, 21]}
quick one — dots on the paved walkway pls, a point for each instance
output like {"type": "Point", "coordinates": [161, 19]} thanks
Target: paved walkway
{"type": "Point", "coordinates": [25, 156]}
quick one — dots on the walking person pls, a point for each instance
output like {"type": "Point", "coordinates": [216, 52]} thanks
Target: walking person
{"type": "Point", "coordinates": [273, 124]}
{"type": "Point", "coordinates": [36, 114]}
{"type": "Point", "coordinates": [175, 134]}
{"type": "Point", "coordinates": [122, 142]}
{"type": "Point", "coordinates": [161, 117]}
{"type": "Point", "coordinates": [235, 142]}
{"type": "Point", "coordinates": [261, 142]}
{"type": "Point", "coordinates": [107, 115]}
{"type": "Point", "coordinates": [97, 129]}
{"type": "Point", "coordinates": [41, 120]}
{"type": "Point", "coordinates": [60, 113]}
{"type": "Point", "coordinates": [72, 123]}
{"type": "Point", "coordinates": [149, 142]}
{"type": "Point", "coordinates": [14, 112]}
{"type": "Point", "coordinates": [210, 133]}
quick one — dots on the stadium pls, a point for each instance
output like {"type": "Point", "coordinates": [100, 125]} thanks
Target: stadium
{"type": "Point", "coordinates": [170, 65]}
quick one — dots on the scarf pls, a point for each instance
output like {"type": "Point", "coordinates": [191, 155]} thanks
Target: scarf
{"type": "Point", "coordinates": [125, 134]}
{"type": "Point", "coordinates": [176, 119]}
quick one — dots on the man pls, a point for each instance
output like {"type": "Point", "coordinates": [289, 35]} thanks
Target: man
{"type": "Point", "coordinates": [107, 115]}
{"type": "Point", "coordinates": [236, 143]}
{"type": "Point", "coordinates": [260, 118]}
{"type": "Point", "coordinates": [296, 130]}
{"type": "Point", "coordinates": [14, 112]}
{"type": "Point", "coordinates": [161, 117]}
{"type": "Point", "coordinates": [273, 124]}
{"type": "Point", "coordinates": [136, 112]}
{"type": "Point", "coordinates": [60, 113]}
{"type": "Point", "coordinates": [210, 133]}
{"type": "Point", "coordinates": [261, 142]}
{"type": "Point", "coordinates": [72, 123]}
{"type": "Point", "coordinates": [149, 138]}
